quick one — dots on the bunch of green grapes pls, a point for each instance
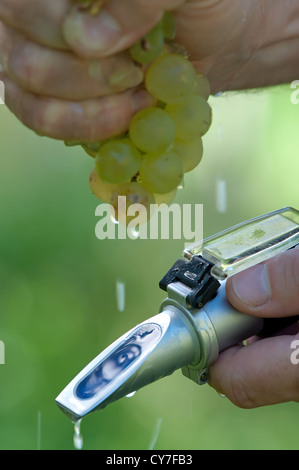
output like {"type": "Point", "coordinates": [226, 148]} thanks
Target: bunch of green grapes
{"type": "Point", "coordinates": [163, 142]}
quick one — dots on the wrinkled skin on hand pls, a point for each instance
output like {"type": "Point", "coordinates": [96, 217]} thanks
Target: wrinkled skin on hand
{"type": "Point", "coordinates": [262, 372]}
{"type": "Point", "coordinates": [67, 73]}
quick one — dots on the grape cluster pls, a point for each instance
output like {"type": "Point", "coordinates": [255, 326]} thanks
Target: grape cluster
{"type": "Point", "coordinates": [148, 162]}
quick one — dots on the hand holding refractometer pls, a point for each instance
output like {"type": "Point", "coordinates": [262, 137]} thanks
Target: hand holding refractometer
{"type": "Point", "coordinates": [196, 321]}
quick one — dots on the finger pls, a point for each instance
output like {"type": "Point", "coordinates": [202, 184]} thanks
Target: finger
{"type": "Point", "coordinates": [89, 120]}
{"type": "Point", "coordinates": [61, 74]}
{"type": "Point", "coordinates": [221, 36]}
{"type": "Point", "coordinates": [38, 20]}
{"type": "Point", "coordinates": [117, 26]}
{"type": "Point", "coordinates": [269, 289]}
{"type": "Point", "coordinates": [263, 373]}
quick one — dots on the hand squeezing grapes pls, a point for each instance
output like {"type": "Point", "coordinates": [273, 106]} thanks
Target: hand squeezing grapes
{"type": "Point", "coordinates": [68, 73]}
{"type": "Point", "coordinates": [163, 141]}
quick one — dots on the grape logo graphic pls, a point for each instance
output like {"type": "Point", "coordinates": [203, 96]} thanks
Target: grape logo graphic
{"type": "Point", "coordinates": [2, 93]}
{"type": "Point", "coordinates": [2, 353]}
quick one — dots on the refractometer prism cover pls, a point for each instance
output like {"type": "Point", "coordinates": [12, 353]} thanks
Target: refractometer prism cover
{"type": "Point", "coordinates": [248, 243]}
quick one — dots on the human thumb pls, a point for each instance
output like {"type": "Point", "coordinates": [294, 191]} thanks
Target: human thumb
{"type": "Point", "coordinates": [269, 289]}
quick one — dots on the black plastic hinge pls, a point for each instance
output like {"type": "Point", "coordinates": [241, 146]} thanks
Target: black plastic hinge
{"type": "Point", "coordinates": [196, 275]}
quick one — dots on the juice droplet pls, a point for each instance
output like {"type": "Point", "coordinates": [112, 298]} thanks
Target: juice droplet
{"type": "Point", "coordinates": [78, 439]}
{"type": "Point", "coordinates": [182, 184]}
{"type": "Point", "coordinates": [221, 196]}
{"type": "Point", "coordinates": [113, 219]}
{"type": "Point", "coordinates": [120, 294]}
{"type": "Point", "coordinates": [39, 430]}
{"type": "Point", "coordinates": [155, 434]}
{"type": "Point", "coordinates": [133, 233]}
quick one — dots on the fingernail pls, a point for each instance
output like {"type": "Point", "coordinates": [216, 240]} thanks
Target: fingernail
{"type": "Point", "coordinates": [92, 34]}
{"type": "Point", "coordinates": [252, 286]}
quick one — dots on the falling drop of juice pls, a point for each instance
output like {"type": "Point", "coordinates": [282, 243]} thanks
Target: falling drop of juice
{"type": "Point", "coordinates": [120, 294]}
{"type": "Point", "coordinates": [78, 439]}
{"type": "Point", "coordinates": [221, 196]}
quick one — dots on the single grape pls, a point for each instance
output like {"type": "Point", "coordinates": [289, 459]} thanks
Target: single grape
{"type": "Point", "coordinates": [171, 79]}
{"type": "Point", "coordinates": [92, 149]}
{"type": "Point", "coordinates": [148, 48]}
{"type": "Point", "coordinates": [202, 86]}
{"type": "Point", "coordinates": [134, 193]}
{"type": "Point", "coordinates": [168, 25]}
{"type": "Point", "coordinates": [189, 152]}
{"type": "Point", "coordinates": [152, 130]}
{"type": "Point", "coordinates": [161, 173]}
{"type": "Point", "coordinates": [165, 198]}
{"type": "Point", "coordinates": [192, 119]}
{"type": "Point", "coordinates": [101, 189]}
{"type": "Point", "coordinates": [118, 161]}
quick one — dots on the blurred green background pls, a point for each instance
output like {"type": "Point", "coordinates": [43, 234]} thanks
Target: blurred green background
{"type": "Point", "coordinates": [58, 304]}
